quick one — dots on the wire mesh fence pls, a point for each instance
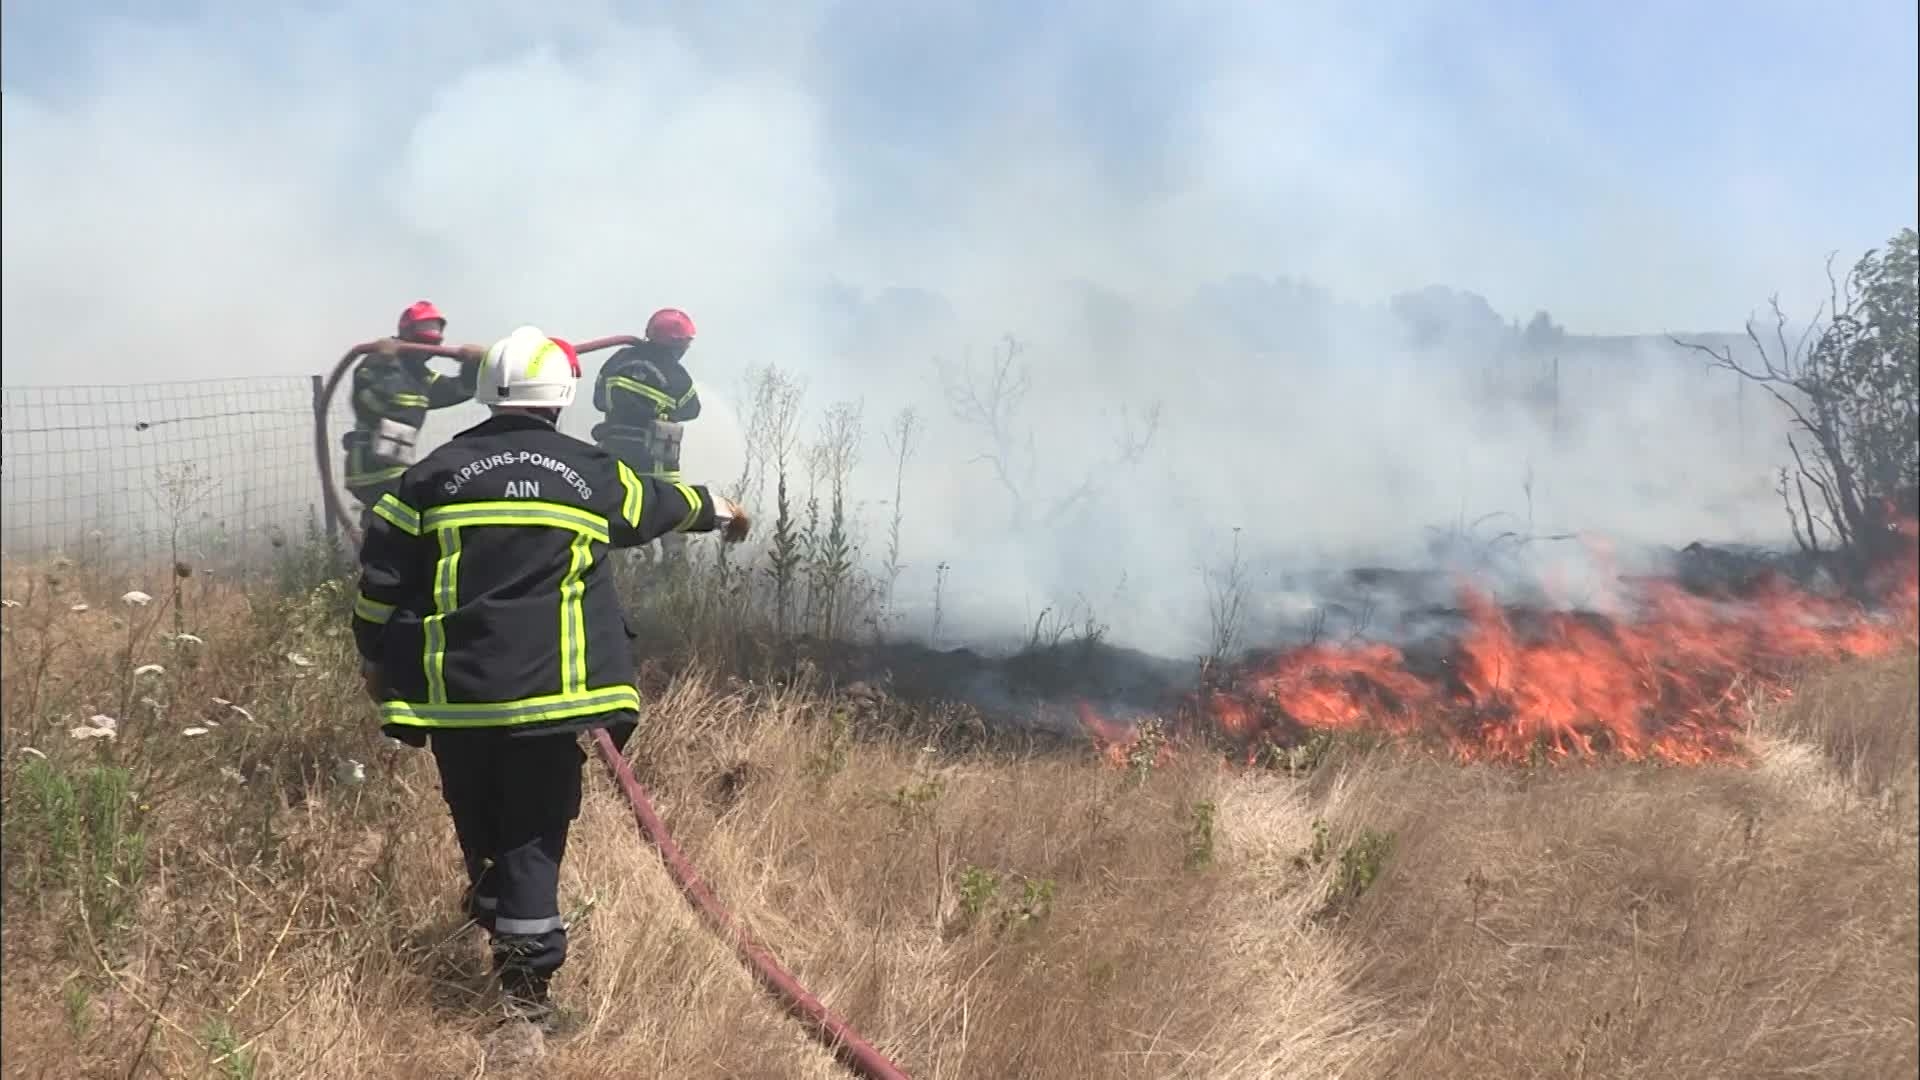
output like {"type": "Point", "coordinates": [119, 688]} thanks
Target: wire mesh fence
{"type": "Point", "coordinates": [220, 472]}
{"type": "Point", "coordinates": [211, 472]}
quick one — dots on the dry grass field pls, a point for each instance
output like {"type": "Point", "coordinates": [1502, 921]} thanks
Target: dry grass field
{"type": "Point", "coordinates": [245, 880]}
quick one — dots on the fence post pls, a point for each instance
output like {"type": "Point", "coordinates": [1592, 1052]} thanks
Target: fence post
{"type": "Point", "coordinates": [319, 413]}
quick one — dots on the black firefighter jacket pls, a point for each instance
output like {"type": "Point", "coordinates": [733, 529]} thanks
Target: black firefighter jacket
{"type": "Point", "coordinates": [391, 396]}
{"type": "Point", "coordinates": [642, 383]}
{"type": "Point", "coordinates": [486, 597]}
{"type": "Point", "coordinates": [647, 394]}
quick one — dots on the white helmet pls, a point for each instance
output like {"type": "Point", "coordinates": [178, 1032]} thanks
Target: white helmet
{"type": "Point", "coordinates": [528, 369]}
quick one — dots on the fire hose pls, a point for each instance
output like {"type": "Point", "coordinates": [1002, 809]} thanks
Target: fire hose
{"type": "Point", "coordinates": [830, 1030]}
{"type": "Point", "coordinates": [853, 1051]}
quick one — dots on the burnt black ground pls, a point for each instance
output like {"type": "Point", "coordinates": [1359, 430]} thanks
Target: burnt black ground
{"type": "Point", "coordinates": [1038, 692]}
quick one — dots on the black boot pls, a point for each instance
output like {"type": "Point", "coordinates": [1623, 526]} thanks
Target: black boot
{"type": "Point", "coordinates": [526, 997]}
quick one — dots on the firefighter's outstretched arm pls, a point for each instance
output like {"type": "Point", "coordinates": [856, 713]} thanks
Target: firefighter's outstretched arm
{"type": "Point", "coordinates": [389, 568]}
{"type": "Point", "coordinates": [446, 390]}
{"type": "Point", "coordinates": [650, 508]}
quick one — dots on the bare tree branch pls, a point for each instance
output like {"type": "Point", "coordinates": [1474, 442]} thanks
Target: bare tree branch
{"type": "Point", "coordinates": [1806, 509]}
{"type": "Point", "coordinates": [1793, 517]}
{"type": "Point", "coordinates": [1851, 381]}
{"type": "Point", "coordinates": [990, 401]}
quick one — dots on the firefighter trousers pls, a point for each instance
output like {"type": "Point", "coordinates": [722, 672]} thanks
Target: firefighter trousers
{"type": "Point", "coordinates": [513, 798]}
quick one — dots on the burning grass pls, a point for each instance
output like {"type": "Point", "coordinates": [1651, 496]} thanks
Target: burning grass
{"type": "Point", "coordinates": [1666, 675]}
{"type": "Point", "coordinates": [274, 895]}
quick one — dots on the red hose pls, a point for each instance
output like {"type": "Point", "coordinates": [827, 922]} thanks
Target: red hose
{"type": "Point", "coordinates": [831, 1031]}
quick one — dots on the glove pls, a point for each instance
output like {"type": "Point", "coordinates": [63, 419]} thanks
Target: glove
{"type": "Point", "coordinates": [386, 346]}
{"type": "Point", "coordinates": [731, 519]}
{"type": "Point", "coordinates": [472, 354]}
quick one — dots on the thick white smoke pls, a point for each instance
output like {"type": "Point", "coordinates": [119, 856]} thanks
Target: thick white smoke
{"type": "Point", "coordinates": [1203, 207]}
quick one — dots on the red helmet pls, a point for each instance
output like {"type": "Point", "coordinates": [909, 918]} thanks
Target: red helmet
{"type": "Point", "coordinates": [670, 326]}
{"type": "Point", "coordinates": [422, 322]}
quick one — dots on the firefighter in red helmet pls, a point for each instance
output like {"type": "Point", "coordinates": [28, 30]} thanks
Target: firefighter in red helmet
{"type": "Point", "coordinates": [393, 389]}
{"type": "Point", "coordinates": [647, 396]}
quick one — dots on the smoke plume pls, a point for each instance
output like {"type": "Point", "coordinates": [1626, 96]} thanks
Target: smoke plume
{"type": "Point", "coordinates": [1313, 240]}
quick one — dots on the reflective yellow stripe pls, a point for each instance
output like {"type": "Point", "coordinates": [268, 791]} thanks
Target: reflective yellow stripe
{"type": "Point", "coordinates": [573, 617]}
{"type": "Point", "coordinates": [410, 401]}
{"type": "Point", "coordinates": [519, 512]}
{"type": "Point", "coordinates": [636, 493]}
{"type": "Point", "coordinates": [446, 597]}
{"type": "Point", "coordinates": [365, 607]}
{"type": "Point", "coordinates": [635, 386]}
{"type": "Point", "coordinates": [398, 514]}
{"type": "Point", "coordinates": [686, 397]}
{"type": "Point", "coordinates": [694, 505]}
{"type": "Point", "coordinates": [508, 713]}
{"type": "Point", "coordinates": [375, 476]}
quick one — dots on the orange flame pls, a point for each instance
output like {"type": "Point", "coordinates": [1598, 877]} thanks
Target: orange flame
{"type": "Point", "coordinates": [1673, 680]}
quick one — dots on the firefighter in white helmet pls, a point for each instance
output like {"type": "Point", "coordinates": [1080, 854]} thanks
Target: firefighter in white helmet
{"type": "Point", "coordinates": [489, 630]}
